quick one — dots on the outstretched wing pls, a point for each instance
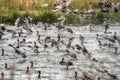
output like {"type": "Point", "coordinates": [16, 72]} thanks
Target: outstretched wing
{"type": "Point", "coordinates": [117, 4]}
{"type": "Point", "coordinates": [113, 6]}
{"type": "Point", "coordinates": [68, 2]}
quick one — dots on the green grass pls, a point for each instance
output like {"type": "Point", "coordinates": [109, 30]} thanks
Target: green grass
{"type": "Point", "coordinates": [51, 17]}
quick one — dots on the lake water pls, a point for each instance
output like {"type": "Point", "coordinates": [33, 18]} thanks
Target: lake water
{"type": "Point", "coordinates": [48, 61]}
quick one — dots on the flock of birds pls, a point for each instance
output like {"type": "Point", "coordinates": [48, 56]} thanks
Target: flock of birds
{"type": "Point", "coordinates": [19, 44]}
{"type": "Point", "coordinates": [104, 6]}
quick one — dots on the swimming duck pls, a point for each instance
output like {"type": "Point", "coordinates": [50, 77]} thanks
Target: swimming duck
{"type": "Point", "coordinates": [76, 75]}
{"type": "Point", "coordinates": [17, 21]}
{"type": "Point", "coordinates": [62, 62]}
{"type": "Point", "coordinates": [3, 53]}
{"type": "Point", "coordinates": [39, 74]}
{"type": "Point", "coordinates": [28, 70]}
{"type": "Point", "coordinates": [68, 63]}
{"type": "Point", "coordinates": [69, 30]}
{"type": "Point", "coordinates": [2, 76]}
{"type": "Point", "coordinates": [31, 64]}
{"type": "Point", "coordinates": [1, 34]}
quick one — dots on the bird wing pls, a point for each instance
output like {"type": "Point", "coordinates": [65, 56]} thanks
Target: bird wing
{"type": "Point", "coordinates": [17, 21]}
{"type": "Point", "coordinates": [113, 5]}
{"type": "Point", "coordinates": [67, 3]}
{"type": "Point", "coordinates": [117, 4]}
{"type": "Point", "coordinates": [76, 10]}
{"type": "Point", "coordinates": [57, 8]}
{"type": "Point", "coordinates": [60, 18]}
{"type": "Point", "coordinates": [68, 11]}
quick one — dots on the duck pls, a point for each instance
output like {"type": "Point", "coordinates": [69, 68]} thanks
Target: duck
{"type": "Point", "coordinates": [18, 51]}
{"type": "Point", "coordinates": [2, 76]}
{"type": "Point", "coordinates": [17, 21]}
{"type": "Point", "coordinates": [115, 37]}
{"type": "Point", "coordinates": [66, 10]}
{"type": "Point", "coordinates": [27, 28]}
{"type": "Point", "coordinates": [70, 42]}
{"type": "Point", "coordinates": [18, 43]}
{"type": "Point", "coordinates": [53, 42]}
{"type": "Point", "coordinates": [106, 24]}
{"type": "Point", "coordinates": [97, 36]}
{"type": "Point", "coordinates": [3, 53]}
{"type": "Point", "coordinates": [78, 47]}
{"type": "Point", "coordinates": [114, 7]}
{"type": "Point", "coordinates": [95, 60]}
{"type": "Point", "coordinates": [31, 62]}
{"type": "Point", "coordinates": [47, 39]}
{"type": "Point", "coordinates": [28, 21]}
{"type": "Point", "coordinates": [58, 38]}
{"type": "Point", "coordinates": [84, 50]}
{"type": "Point", "coordinates": [76, 75]}
{"type": "Point", "coordinates": [23, 41]}
{"type": "Point", "coordinates": [57, 7]}
{"type": "Point", "coordinates": [45, 46]}
{"type": "Point", "coordinates": [69, 30]}
{"type": "Point", "coordinates": [69, 63]}
{"type": "Point", "coordinates": [74, 56]}
{"type": "Point", "coordinates": [100, 44]}
{"type": "Point", "coordinates": [98, 78]}
{"type": "Point", "coordinates": [63, 7]}
{"type": "Point", "coordinates": [91, 13]}
{"type": "Point", "coordinates": [20, 33]}
{"type": "Point", "coordinates": [39, 74]}
{"type": "Point", "coordinates": [46, 26]}
{"type": "Point", "coordinates": [81, 39]}
{"type": "Point", "coordinates": [35, 49]}
{"type": "Point", "coordinates": [28, 70]}
{"type": "Point", "coordinates": [87, 76]}
{"type": "Point", "coordinates": [2, 27]}
{"type": "Point", "coordinates": [62, 62]}
{"type": "Point", "coordinates": [1, 34]}
{"type": "Point", "coordinates": [104, 4]}
{"type": "Point", "coordinates": [113, 76]}
{"type": "Point", "coordinates": [12, 31]}
{"type": "Point", "coordinates": [6, 66]}
{"type": "Point", "coordinates": [60, 25]}
{"type": "Point", "coordinates": [38, 35]}
{"type": "Point", "coordinates": [35, 45]}
{"type": "Point", "coordinates": [104, 10]}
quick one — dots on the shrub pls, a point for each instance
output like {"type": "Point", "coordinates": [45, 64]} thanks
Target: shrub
{"type": "Point", "coordinates": [12, 16]}
{"type": "Point", "coordinates": [46, 17]}
{"type": "Point", "coordinates": [72, 19]}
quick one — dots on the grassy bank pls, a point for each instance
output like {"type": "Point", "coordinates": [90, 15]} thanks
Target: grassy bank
{"type": "Point", "coordinates": [40, 10]}
{"type": "Point", "coordinates": [51, 17]}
